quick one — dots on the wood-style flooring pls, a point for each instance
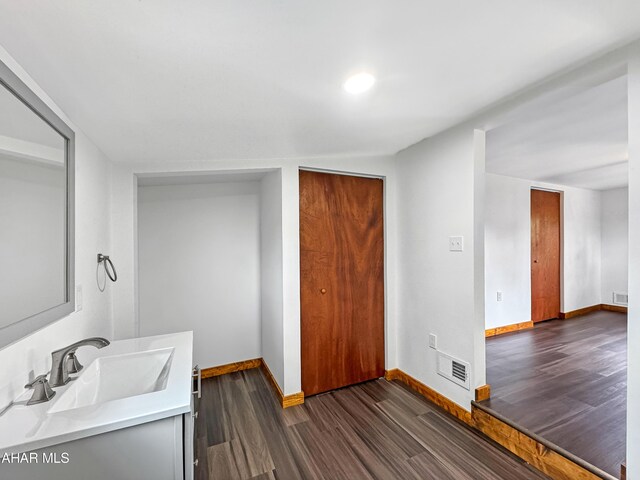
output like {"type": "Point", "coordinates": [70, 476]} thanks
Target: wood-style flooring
{"type": "Point", "coordinates": [566, 380]}
{"type": "Point", "coordinates": [375, 430]}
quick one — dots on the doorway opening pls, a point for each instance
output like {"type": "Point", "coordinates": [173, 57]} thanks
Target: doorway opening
{"type": "Point", "coordinates": [210, 260]}
{"type": "Point", "coordinates": [556, 270]}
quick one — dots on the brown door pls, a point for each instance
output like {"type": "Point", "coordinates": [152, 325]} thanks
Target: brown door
{"type": "Point", "coordinates": [341, 280]}
{"type": "Point", "coordinates": [545, 255]}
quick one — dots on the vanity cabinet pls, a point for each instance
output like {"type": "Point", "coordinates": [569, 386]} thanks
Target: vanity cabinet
{"type": "Point", "coordinates": [150, 450]}
{"type": "Point", "coordinates": [161, 450]}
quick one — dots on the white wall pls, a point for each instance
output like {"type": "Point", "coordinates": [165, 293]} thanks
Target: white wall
{"type": "Point", "coordinates": [124, 304]}
{"type": "Point", "coordinates": [581, 248]}
{"type": "Point", "coordinates": [271, 274]}
{"type": "Point", "coordinates": [436, 181]}
{"type": "Point", "coordinates": [124, 228]}
{"type": "Point", "coordinates": [31, 355]}
{"type": "Point", "coordinates": [199, 267]}
{"type": "Point", "coordinates": [615, 243]}
{"type": "Point", "coordinates": [508, 248]}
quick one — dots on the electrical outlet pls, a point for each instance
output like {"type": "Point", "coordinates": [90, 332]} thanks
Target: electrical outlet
{"type": "Point", "coordinates": [78, 298]}
{"type": "Point", "coordinates": [456, 244]}
{"type": "Point", "coordinates": [433, 341]}
{"type": "Point", "coordinates": [499, 296]}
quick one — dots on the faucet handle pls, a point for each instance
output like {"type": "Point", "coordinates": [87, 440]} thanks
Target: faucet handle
{"type": "Point", "coordinates": [42, 392]}
{"type": "Point", "coordinates": [72, 363]}
{"type": "Point", "coordinates": [35, 381]}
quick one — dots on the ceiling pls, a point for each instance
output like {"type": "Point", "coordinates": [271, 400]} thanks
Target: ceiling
{"type": "Point", "coordinates": [160, 80]}
{"type": "Point", "coordinates": [580, 140]}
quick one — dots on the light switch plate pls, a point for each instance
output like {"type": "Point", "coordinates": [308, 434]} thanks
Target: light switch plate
{"type": "Point", "coordinates": [499, 296]}
{"type": "Point", "coordinates": [456, 244]}
{"type": "Point", "coordinates": [78, 298]}
{"type": "Point", "coordinates": [433, 341]}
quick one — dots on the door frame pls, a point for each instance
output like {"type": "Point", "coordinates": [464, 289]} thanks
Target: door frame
{"type": "Point", "coordinates": [561, 192]}
{"type": "Point", "coordinates": [385, 229]}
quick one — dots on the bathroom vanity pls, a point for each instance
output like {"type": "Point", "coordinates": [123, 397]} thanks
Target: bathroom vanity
{"type": "Point", "coordinates": [128, 414]}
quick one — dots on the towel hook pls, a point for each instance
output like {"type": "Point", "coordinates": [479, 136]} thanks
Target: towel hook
{"type": "Point", "coordinates": [111, 274]}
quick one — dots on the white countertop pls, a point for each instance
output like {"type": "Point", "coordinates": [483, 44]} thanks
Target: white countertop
{"type": "Point", "coordinates": [25, 428]}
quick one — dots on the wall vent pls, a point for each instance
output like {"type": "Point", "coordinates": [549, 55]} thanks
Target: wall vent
{"type": "Point", "coordinates": [455, 370]}
{"type": "Point", "coordinates": [620, 298]}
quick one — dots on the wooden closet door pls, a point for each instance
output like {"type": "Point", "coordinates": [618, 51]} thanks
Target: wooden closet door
{"type": "Point", "coordinates": [545, 255]}
{"type": "Point", "coordinates": [341, 280]}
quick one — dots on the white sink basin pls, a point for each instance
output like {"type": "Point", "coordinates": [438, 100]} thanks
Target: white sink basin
{"type": "Point", "coordinates": [115, 377]}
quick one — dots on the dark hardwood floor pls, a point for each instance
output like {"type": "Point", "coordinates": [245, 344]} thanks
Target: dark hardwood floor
{"type": "Point", "coordinates": [375, 430]}
{"type": "Point", "coordinates": [566, 380]}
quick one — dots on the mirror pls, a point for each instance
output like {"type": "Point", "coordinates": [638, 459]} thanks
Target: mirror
{"type": "Point", "coordinates": [36, 212]}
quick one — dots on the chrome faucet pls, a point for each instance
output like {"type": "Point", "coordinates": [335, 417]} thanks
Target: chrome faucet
{"type": "Point", "coordinates": [64, 361]}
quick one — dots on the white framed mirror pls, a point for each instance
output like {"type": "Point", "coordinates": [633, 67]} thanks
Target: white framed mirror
{"type": "Point", "coordinates": [36, 212]}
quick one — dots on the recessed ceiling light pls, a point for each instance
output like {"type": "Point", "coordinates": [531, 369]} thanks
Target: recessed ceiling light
{"type": "Point", "coordinates": [359, 83]}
